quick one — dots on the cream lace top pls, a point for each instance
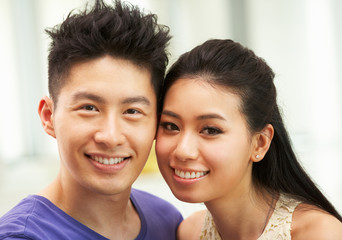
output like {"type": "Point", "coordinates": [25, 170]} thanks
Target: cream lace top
{"type": "Point", "coordinates": [277, 228]}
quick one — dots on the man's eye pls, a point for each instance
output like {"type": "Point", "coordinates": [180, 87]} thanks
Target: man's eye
{"type": "Point", "coordinates": [89, 108]}
{"type": "Point", "coordinates": [169, 126]}
{"type": "Point", "coordinates": [212, 131]}
{"type": "Point", "coordinates": [132, 111]}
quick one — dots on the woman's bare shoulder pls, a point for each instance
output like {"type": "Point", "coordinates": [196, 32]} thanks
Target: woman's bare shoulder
{"type": "Point", "coordinates": [191, 227]}
{"type": "Point", "coordinates": [310, 222]}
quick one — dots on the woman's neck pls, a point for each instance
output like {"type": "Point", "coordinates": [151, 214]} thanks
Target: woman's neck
{"type": "Point", "coordinates": [242, 217]}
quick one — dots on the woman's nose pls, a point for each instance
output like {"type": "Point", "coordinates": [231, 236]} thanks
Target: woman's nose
{"type": "Point", "coordinates": [187, 148]}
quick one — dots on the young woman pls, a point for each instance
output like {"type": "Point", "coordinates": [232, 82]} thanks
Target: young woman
{"type": "Point", "coordinates": [222, 141]}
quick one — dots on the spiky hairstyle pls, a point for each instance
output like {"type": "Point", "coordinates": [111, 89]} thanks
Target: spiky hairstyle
{"type": "Point", "coordinates": [121, 31]}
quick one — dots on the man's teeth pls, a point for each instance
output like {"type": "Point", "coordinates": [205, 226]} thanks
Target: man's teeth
{"type": "Point", "coordinates": [189, 175]}
{"type": "Point", "coordinates": [108, 161]}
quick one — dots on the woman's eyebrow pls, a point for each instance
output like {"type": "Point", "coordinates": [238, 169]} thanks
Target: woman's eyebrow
{"type": "Point", "coordinates": [210, 116]}
{"type": "Point", "coordinates": [201, 117]}
{"type": "Point", "coordinates": [169, 113]}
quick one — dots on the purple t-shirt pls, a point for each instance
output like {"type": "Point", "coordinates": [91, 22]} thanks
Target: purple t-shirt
{"type": "Point", "coordinates": [35, 217]}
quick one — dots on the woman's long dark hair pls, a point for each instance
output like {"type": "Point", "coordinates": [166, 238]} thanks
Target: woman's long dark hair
{"type": "Point", "coordinates": [229, 64]}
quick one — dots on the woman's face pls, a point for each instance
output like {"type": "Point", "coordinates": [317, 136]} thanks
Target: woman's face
{"type": "Point", "coordinates": [203, 144]}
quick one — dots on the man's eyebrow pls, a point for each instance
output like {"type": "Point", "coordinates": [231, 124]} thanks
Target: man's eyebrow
{"type": "Point", "coordinates": [137, 99]}
{"type": "Point", "coordinates": [86, 95]}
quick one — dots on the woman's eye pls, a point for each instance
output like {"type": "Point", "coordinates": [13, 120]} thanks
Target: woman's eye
{"type": "Point", "coordinates": [169, 126]}
{"type": "Point", "coordinates": [212, 131]}
{"type": "Point", "coordinates": [89, 108]}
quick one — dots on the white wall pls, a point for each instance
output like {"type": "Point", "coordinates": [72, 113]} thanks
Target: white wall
{"type": "Point", "coordinates": [299, 40]}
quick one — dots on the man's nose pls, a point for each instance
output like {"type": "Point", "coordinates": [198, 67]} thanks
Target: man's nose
{"type": "Point", "coordinates": [110, 132]}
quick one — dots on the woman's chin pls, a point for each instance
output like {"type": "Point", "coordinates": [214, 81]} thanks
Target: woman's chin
{"type": "Point", "coordinates": [186, 197]}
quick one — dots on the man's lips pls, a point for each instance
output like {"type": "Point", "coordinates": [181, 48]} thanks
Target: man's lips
{"type": "Point", "coordinates": [107, 160]}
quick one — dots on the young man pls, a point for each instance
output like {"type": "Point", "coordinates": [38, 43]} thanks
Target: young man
{"type": "Point", "coordinates": [106, 67]}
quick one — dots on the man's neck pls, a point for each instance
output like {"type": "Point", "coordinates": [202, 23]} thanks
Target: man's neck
{"type": "Point", "coordinates": [108, 215]}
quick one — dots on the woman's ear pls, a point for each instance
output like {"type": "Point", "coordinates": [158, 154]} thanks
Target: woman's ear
{"type": "Point", "coordinates": [45, 111]}
{"type": "Point", "coordinates": [263, 141]}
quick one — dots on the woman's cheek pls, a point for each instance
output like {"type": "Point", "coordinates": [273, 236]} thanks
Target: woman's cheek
{"type": "Point", "coordinates": [161, 147]}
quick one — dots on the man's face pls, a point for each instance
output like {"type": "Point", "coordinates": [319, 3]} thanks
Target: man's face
{"type": "Point", "coordinates": [104, 123]}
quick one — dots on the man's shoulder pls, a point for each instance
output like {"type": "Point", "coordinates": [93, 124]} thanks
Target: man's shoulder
{"type": "Point", "coordinates": [35, 217]}
{"type": "Point", "coordinates": [22, 209]}
{"type": "Point", "coordinates": [159, 218]}
{"type": "Point", "coordinates": [147, 199]}
{"type": "Point", "coordinates": [151, 205]}
{"type": "Point", "coordinates": [140, 194]}
{"type": "Point", "coordinates": [15, 221]}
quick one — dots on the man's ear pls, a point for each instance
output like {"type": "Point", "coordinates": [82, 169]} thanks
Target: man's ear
{"type": "Point", "coordinates": [262, 143]}
{"type": "Point", "coordinates": [45, 111]}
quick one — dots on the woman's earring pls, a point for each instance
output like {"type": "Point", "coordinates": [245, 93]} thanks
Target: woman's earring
{"type": "Point", "coordinates": [257, 156]}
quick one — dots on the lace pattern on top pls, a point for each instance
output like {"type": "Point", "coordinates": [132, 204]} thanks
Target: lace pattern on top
{"type": "Point", "coordinates": [277, 228]}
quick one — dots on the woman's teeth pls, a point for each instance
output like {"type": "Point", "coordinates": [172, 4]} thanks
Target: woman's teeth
{"type": "Point", "coordinates": [190, 175]}
{"type": "Point", "coordinates": [108, 161]}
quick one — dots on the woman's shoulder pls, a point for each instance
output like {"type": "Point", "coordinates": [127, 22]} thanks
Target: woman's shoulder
{"type": "Point", "coordinates": [311, 222]}
{"type": "Point", "coordinates": [191, 227]}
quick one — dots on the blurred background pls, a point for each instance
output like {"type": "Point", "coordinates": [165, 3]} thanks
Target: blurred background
{"type": "Point", "coordinates": [300, 39]}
